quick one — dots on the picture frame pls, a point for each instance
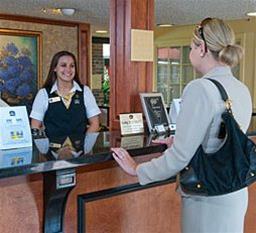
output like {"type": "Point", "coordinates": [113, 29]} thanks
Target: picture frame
{"type": "Point", "coordinates": [155, 112]}
{"type": "Point", "coordinates": [20, 66]}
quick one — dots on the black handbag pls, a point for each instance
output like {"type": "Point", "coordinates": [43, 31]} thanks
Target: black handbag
{"type": "Point", "coordinates": [229, 169]}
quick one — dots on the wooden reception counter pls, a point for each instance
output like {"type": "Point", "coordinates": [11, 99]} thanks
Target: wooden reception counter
{"type": "Point", "coordinates": [73, 185]}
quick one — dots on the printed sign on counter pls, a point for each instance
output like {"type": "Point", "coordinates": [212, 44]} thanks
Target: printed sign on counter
{"type": "Point", "coordinates": [131, 123]}
{"type": "Point", "coordinates": [155, 112]}
{"type": "Point", "coordinates": [14, 128]}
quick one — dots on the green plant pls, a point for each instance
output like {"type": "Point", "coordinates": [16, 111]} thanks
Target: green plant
{"type": "Point", "coordinates": [105, 86]}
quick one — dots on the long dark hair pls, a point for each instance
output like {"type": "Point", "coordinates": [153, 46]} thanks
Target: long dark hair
{"type": "Point", "coordinates": [51, 78]}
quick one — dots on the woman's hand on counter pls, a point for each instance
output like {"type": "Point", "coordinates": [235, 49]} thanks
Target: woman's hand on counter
{"type": "Point", "coordinates": [168, 141]}
{"type": "Point", "coordinates": [125, 161]}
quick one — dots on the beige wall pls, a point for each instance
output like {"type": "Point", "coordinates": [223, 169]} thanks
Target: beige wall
{"type": "Point", "coordinates": [245, 31]}
{"type": "Point", "coordinates": [54, 39]}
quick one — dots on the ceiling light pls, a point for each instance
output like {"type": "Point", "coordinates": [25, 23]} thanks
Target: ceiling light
{"type": "Point", "coordinates": [101, 31]}
{"type": "Point", "coordinates": [67, 11]}
{"type": "Point", "coordinates": [164, 25]}
{"type": "Point", "coordinates": [251, 13]}
{"type": "Point", "coordinates": [56, 11]}
{"type": "Point", "coordinates": [51, 11]}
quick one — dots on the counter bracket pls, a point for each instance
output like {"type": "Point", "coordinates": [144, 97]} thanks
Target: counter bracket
{"type": "Point", "coordinates": [57, 186]}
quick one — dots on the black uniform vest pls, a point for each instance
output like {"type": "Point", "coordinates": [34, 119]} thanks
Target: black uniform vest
{"type": "Point", "coordinates": [56, 143]}
{"type": "Point", "coordinates": [59, 120]}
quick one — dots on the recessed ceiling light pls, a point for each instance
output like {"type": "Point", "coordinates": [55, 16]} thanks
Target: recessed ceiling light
{"type": "Point", "coordinates": [164, 25]}
{"type": "Point", "coordinates": [101, 31]}
{"type": "Point", "coordinates": [59, 11]}
{"type": "Point", "coordinates": [251, 13]}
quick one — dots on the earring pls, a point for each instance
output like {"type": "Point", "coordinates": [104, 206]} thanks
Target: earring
{"type": "Point", "coordinates": [201, 55]}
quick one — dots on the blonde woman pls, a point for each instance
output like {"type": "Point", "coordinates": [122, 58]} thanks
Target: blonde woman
{"type": "Point", "coordinates": [213, 53]}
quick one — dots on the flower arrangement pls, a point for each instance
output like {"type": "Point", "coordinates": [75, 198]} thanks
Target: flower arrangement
{"type": "Point", "coordinates": [17, 74]}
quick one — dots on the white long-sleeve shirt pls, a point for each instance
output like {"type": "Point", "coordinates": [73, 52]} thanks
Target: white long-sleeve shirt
{"type": "Point", "coordinates": [198, 123]}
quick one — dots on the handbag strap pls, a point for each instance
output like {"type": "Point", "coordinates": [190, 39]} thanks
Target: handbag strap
{"type": "Point", "coordinates": [223, 94]}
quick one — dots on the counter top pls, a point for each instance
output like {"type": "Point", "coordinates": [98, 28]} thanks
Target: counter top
{"type": "Point", "coordinates": [57, 153]}
{"type": "Point", "coordinates": [50, 154]}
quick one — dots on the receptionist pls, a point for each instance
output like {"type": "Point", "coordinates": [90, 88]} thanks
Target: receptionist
{"type": "Point", "coordinates": [64, 106]}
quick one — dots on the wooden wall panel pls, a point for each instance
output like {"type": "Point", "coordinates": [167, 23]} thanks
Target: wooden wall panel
{"type": "Point", "coordinates": [127, 78]}
{"type": "Point", "coordinates": [147, 211]}
{"type": "Point", "coordinates": [84, 42]}
{"type": "Point", "coordinates": [21, 204]}
{"type": "Point", "coordinates": [250, 223]}
{"type": "Point", "coordinates": [153, 210]}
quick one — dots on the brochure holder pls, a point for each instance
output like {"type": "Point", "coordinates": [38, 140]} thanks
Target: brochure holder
{"type": "Point", "coordinates": [14, 128]}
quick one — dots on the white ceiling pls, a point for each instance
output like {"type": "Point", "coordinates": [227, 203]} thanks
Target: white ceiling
{"type": "Point", "coordinates": [96, 12]}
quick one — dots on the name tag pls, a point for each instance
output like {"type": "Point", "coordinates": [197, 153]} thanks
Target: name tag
{"type": "Point", "coordinates": [55, 145]}
{"type": "Point", "coordinates": [54, 99]}
{"type": "Point", "coordinates": [77, 101]}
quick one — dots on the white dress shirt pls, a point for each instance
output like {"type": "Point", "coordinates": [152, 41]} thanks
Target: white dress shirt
{"type": "Point", "coordinates": [40, 104]}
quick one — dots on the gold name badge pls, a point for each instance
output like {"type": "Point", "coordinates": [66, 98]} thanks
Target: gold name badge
{"type": "Point", "coordinates": [54, 99]}
{"type": "Point", "coordinates": [55, 145]}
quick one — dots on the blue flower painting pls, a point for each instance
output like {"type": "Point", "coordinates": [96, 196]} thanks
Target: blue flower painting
{"type": "Point", "coordinates": [18, 69]}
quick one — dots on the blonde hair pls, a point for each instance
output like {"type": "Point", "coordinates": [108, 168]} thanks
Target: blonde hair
{"type": "Point", "coordinates": [220, 40]}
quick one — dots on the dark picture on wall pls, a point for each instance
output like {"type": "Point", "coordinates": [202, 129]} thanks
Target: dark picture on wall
{"type": "Point", "coordinates": [20, 66]}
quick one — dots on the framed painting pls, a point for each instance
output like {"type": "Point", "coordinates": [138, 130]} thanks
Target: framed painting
{"type": "Point", "coordinates": [20, 66]}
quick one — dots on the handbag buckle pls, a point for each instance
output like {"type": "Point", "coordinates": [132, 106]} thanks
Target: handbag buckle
{"type": "Point", "coordinates": [228, 104]}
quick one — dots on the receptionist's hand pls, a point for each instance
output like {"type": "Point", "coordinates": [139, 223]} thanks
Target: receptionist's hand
{"type": "Point", "coordinates": [168, 141]}
{"type": "Point", "coordinates": [64, 152]}
{"type": "Point", "coordinates": [125, 161]}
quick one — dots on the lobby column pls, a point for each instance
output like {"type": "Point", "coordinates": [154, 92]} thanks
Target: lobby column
{"type": "Point", "coordinates": [128, 78]}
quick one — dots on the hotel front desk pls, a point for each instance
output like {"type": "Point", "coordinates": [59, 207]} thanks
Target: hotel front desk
{"type": "Point", "coordinates": [72, 184]}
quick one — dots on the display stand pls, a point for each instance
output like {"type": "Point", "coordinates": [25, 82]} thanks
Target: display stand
{"type": "Point", "coordinates": [155, 112]}
{"type": "Point", "coordinates": [14, 128]}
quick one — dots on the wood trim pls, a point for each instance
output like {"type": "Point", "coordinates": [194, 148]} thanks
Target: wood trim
{"type": "Point", "coordinates": [84, 199]}
{"type": "Point", "coordinates": [128, 78]}
{"type": "Point", "coordinates": [112, 62]}
{"type": "Point", "coordinates": [84, 42]}
{"type": "Point", "coordinates": [38, 20]}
